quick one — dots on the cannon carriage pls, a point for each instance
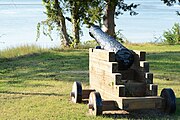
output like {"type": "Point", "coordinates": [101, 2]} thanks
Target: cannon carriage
{"type": "Point", "coordinates": [120, 80]}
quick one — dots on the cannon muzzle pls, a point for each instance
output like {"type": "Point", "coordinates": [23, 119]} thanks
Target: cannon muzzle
{"type": "Point", "coordinates": [124, 56]}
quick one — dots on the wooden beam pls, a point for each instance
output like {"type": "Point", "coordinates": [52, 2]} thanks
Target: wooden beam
{"type": "Point", "coordinates": [109, 105]}
{"type": "Point", "coordinates": [135, 103]}
{"type": "Point", "coordinates": [149, 77]}
{"type": "Point", "coordinates": [144, 65]}
{"type": "Point", "coordinates": [86, 92]}
{"type": "Point", "coordinates": [109, 78]}
{"type": "Point", "coordinates": [100, 84]}
{"type": "Point", "coordinates": [122, 91]}
{"type": "Point", "coordinates": [104, 55]}
{"type": "Point", "coordinates": [111, 67]}
{"type": "Point", "coordinates": [152, 90]}
{"type": "Point", "coordinates": [135, 89]}
{"type": "Point", "coordinates": [141, 54]}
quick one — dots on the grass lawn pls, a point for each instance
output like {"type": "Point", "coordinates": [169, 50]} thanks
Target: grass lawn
{"type": "Point", "coordinates": [35, 83]}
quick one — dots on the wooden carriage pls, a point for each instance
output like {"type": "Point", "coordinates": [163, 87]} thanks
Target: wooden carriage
{"type": "Point", "coordinates": [112, 88]}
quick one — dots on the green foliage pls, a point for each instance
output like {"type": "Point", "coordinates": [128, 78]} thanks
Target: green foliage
{"type": "Point", "coordinates": [124, 7]}
{"type": "Point", "coordinates": [88, 44]}
{"type": "Point", "coordinates": [172, 36]}
{"type": "Point", "coordinates": [55, 20]}
{"type": "Point", "coordinates": [120, 37]}
{"type": "Point", "coordinates": [87, 12]}
{"type": "Point", "coordinates": [51, 22]}
{"type": "Point", "coordinates": [94, 14]}
{"type": "Point", "coordinates": [171, 3]}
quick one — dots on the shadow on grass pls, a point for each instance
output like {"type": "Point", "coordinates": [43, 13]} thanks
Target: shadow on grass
{"type": "Point", "coordinates": [165, 65]}
{"type": "Point", "coordinates": [46, 66]}
{"type": "Point", "coordinates": [26, 93]}
{"type": "Point", "coordinates": [144, 114]}
{"type": "Point", "coordinates": [49, 66]}
{"type": "Point", "coordinates": [141, 114]}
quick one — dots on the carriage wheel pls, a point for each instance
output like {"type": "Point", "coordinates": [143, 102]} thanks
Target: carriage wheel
{"type": "Point", "coordinates": [95, 104]}
{"type": "Point", "coordinates": [76, 94]}
{"type": "Point", "coordinates": [169, 100]}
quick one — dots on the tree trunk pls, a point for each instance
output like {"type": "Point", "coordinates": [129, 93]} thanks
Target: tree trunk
{"type": "Point", "coordinates": [76, 38]}
{"type": "Point", "coordinates": [61, 23]}
{"type": "Point", "coordinates": [75, 23]}
{"type": "Point", "coordinates": [63, 31]}
{"type": "Point", "coordinates": [108, 18]}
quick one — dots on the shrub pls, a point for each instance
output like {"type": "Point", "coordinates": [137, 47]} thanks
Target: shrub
{"type": "Point", "coordinates": [172, 36]}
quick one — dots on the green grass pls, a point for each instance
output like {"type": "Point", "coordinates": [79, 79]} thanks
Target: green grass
{"type": "Point", "coordinates": [35, 83]}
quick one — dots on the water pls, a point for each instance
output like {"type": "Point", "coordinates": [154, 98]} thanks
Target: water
{"type": "Point", "coordinates": [154, 17]}
{"type": "Point", "coordinates": [18, 23]}
{"type": "Point", "coordinates": [19, 18]}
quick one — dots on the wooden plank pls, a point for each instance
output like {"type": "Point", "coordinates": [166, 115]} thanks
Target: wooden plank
{"type": "Point", "coordinates": [109, 105]}
{"type": "Point", "coordinates": [122, 91]}
{"type": "Point", "coordinates": [144, 65]}
{"type": "Point", "coordinates": [132, 88]}
{"type": "Point", "coordinates": [104, 55]}
{"type": "Point", "coordinates": [99, 84]}
{"type": "Point", "coordinates": [112, 67]}
{"type": "Point", "coordinates": [86, 92]}
{"type": "Point", "coordinates": [152, 90]}
{"type": "Point", "coordinates": [138, 72]}
{"type": "Point", "coordinates": [109, 96]}
{"type": "Point", "coordinates": [107, 82]}
{"type": "Point", "coordinates": [134, 103]}
{"type": "Point", "coordinates": [135, 89]}
{"type": "Point", "coordinates": [111, 78]}
{"type": "Point", "coordinates": [106, 91]}
{"type": "Point", "coordinates": [149, 77]}
{"type": "Point", "coordinates": [141, 54]}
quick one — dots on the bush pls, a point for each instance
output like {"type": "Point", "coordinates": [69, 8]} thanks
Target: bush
{"type": "Point", "coordinates": [172, 36]}
{"type": "Point", "coordinates": [87, 44]}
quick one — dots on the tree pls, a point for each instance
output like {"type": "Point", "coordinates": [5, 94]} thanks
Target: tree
{"type": "Point", "coordinates": [75, 7]}
{"type": "Point", "coordinates": [172, 36]}
{"type": "Point", "coordinates": [81, 12]}
{"type": "Point", "coordinates": [171, 3]}
{"type": "Point", "coordinates": [112, 10]}
{"type": "Point", "coordinates": [55, 18]}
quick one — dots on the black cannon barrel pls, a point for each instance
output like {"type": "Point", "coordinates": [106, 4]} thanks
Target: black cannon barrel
{"type": "Point", "coordinates": [124, 56]}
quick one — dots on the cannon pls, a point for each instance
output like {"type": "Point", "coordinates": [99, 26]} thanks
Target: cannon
{"type": "Point", "coordinates": [120, 79]}
{"type": "Point", "coordinates": [123, 56]}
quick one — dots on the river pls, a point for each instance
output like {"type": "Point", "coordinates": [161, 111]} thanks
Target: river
{"type": "Point", "coordinates": [19, 18]}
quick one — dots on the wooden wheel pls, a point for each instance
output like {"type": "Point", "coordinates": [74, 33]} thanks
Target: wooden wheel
{"type": "Point", "coordinates": [76, 94]}
{"type": "Point", "coordinates": [95, 103]}
{"type": "Point", "coordinates": [169, 100]}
